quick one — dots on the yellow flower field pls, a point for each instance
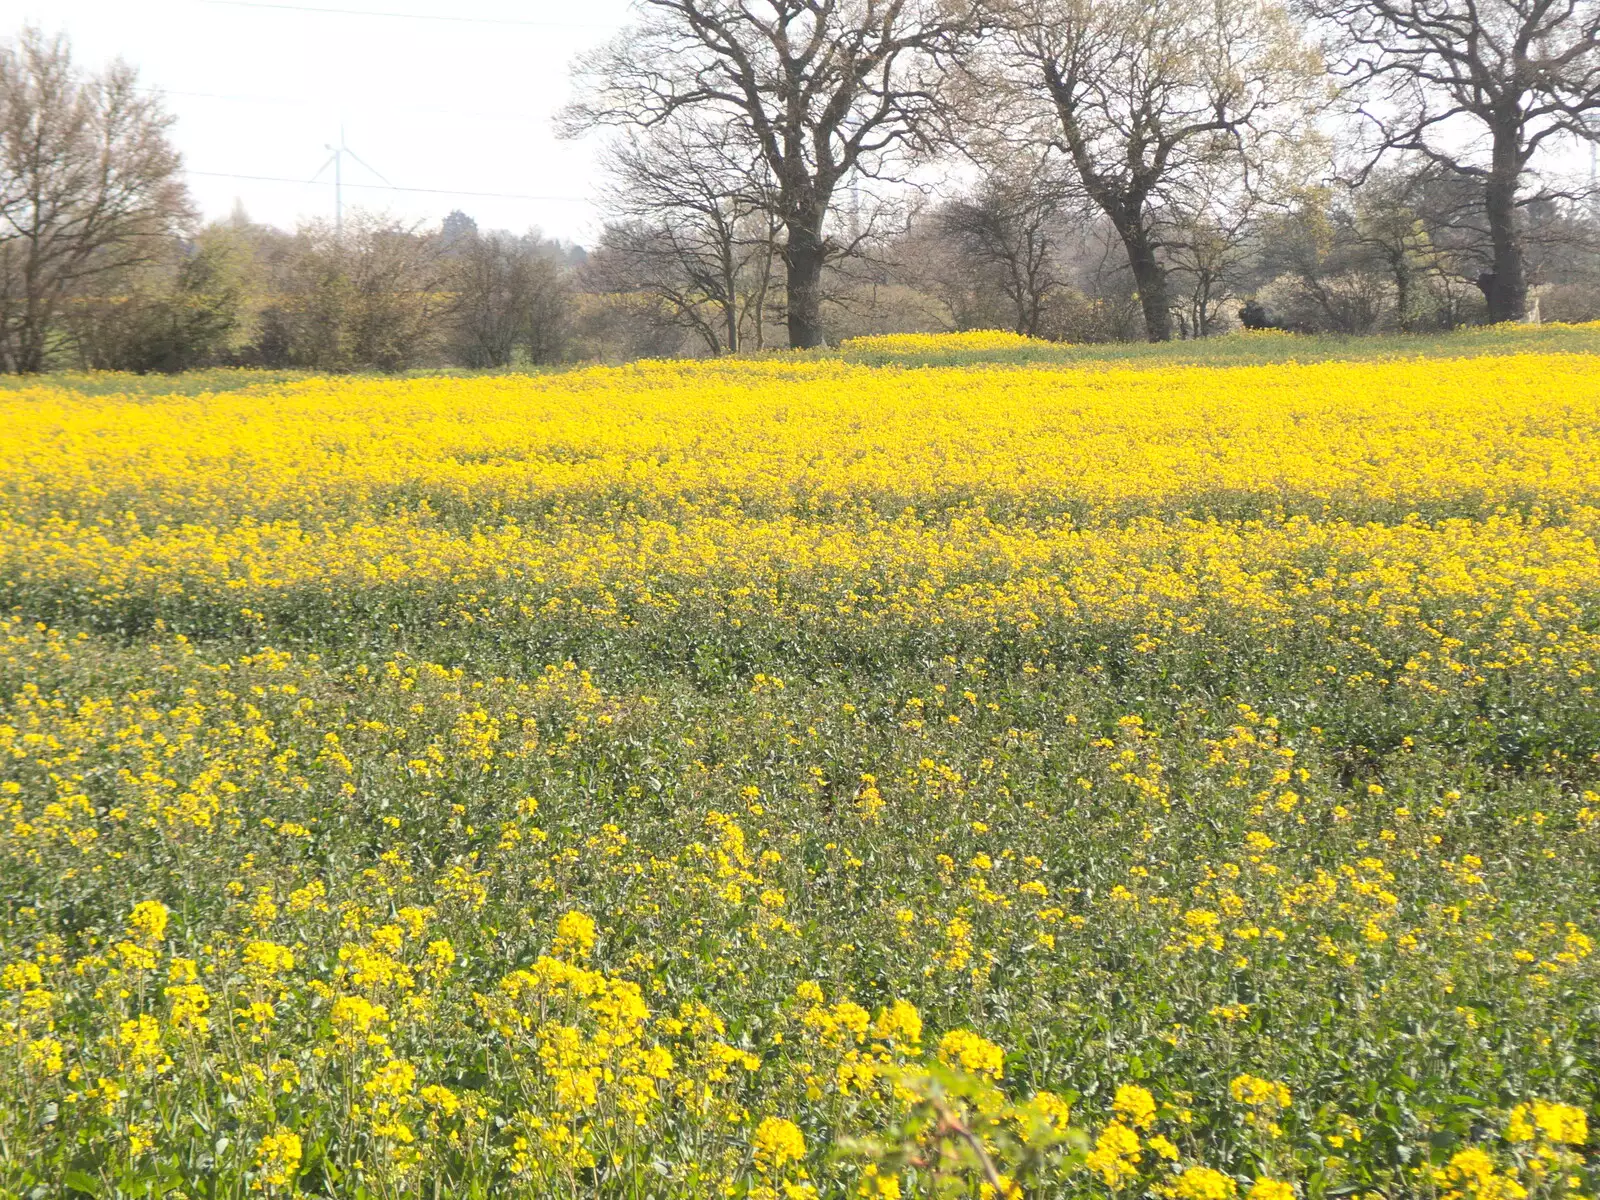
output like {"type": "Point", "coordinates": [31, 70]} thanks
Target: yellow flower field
{"type": "Point", "coordinates": [805, 778]}
{"type": "Point", "coordinates": [980, 340]}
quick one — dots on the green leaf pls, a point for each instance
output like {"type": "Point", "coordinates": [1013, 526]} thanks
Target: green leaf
{"type": "Point", "coordinates": [81, 1181]}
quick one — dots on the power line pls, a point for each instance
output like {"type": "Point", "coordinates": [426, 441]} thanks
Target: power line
{"type": "Point", "coordinates": [320, 104]}
{"type": "Point", "coordinates": [379, 187]}
{"type": "Point", "coordinates": [411, 16]}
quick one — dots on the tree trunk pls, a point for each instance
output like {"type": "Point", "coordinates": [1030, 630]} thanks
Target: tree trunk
{"type": "Point", "coordinates": [730, 291]}
{"type": "Point", "coordinates": [1020, 301]}
{"type": "Point", "coordinates": [31, 341]}
{"type": "Point", "coordinates": [1508, 291]}
{"type": "Point", "coordinates": [1402, 293]}
{"type": "Point", "coordinates": [1202, 309]}
{"type": "Point", "coordinates": [730, 309]}
{"type": "Point", "coordinates": [760, 299]}
{"type": "Point", "coordinates": [1150, 277]}
{"type": "Point", "coordinates": [803, 256]}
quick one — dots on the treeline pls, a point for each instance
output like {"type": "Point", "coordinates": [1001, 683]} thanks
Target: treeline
{"type": "Point", "coordinates": [380, 295]}
{"type": "Point", "coordinates": [102, 264]}
{"type": "Point", "coordinates": [389, 297]}
{"type": "Point", "coordinates": [1121, 168]}
{"type": "Point", "coordinates": [790, 172]}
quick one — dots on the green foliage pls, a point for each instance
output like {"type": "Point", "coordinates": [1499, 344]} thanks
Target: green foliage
{"type": "Point", "coordinates": [187, 324]}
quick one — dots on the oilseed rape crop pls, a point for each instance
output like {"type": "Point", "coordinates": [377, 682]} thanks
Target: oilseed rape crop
{"type": "Point", "coordinates": [805, 778]}
{"type": "Point", "coordinates": [979, 341]}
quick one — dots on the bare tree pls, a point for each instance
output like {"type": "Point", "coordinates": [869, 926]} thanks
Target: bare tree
{"type": "Point", "coordinates": [1139, 97]}
{"type": "Point", "coordinates": [824, 91]}
{"type": "Point", "coordinates": [510, 297]}
{"type": "Point", "coordinates": [698, 228]}
{"type": "Point", "coordinates": [1478, 87]}
{"type": "Point", "coordinates": [1390, 217]}
{"type": "Point", "coordinates": [1009, 225]}
{"type": "Point", "coordinates": [88, 186]}
{"type": "Point", "coordinates": [1209, 246]}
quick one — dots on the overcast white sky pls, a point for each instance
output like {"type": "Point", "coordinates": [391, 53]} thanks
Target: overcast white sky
{"type": "Point", "coordinates": [260, 89]}
{"type": "Point", "coordinates": [452, 95]}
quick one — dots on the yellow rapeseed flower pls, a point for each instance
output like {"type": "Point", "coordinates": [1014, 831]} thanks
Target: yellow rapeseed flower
{"type": "Point", "coordinates": [1116, 1155]}
{"type": "Point", "coordinates": [575, 935]}
{"type": "Point", "coordinates": [148, 921]}
{"type": "Point", "coordinates": [1203, 1183]}
{"type": "Point", "coordinates": [277, 1159]}
{"type": "Point", "coordinates": [777, 1142]}
{"type": "Point", "coordinates": [971, 1052]}
{"type": "Point", "coordinates": [1259, 1093]}
{"type": "Point", "coordinates": [1134, 1105]}
{"type": "Point", "coordinates": [1560, 1124]}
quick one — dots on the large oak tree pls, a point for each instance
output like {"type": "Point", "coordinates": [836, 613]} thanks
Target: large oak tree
{"type": "Point", "coordinates": [1143, 99]}
{"type": "Point", "coordinates": [823, 90]}
{"type": "Point", "coordinates": [1479, 87]}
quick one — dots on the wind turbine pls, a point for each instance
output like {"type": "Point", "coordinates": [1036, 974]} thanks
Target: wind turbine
{"type": "Point", "coordinates": [337, 163]}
